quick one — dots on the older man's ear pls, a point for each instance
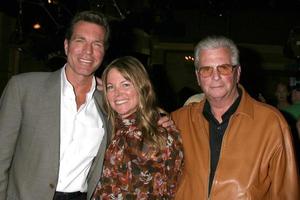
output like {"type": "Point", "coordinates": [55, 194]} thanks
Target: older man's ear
{"type": "Point", "coordinates": [99, 84]}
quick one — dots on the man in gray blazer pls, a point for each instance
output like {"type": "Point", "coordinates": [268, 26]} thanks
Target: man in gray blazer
{"type": "Point", "coordinates": [53, 132]}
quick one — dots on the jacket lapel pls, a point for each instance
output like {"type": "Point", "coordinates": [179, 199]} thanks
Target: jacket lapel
{"type": "Point", "coordinates": [96, 168]}
{"type": "Point", "coordinates": [51, 109]}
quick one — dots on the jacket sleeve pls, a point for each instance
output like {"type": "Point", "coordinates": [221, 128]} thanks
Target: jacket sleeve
{"type": "Point", "coordinates": [10, 118]}
{"type": "Point", "coordinates": [283, 170]}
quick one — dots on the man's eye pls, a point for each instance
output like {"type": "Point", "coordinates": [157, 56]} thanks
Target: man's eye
{"type": "Point", "coordinates": [78, 40]}
{"type": "Point", "coordinates": [205, 68]}
{"type": "Point", "coordinates": [225, 66]}
{"type": "Point", "coordinates": [98, 44]}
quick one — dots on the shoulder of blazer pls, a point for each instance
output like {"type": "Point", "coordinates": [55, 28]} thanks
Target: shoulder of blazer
{"type": "Point", "coordinates": [38, 83]}
{"type": "Point", "coordinates": [38, 79]}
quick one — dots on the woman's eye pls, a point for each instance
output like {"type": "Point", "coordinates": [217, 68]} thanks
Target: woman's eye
{"type": "Point", "coordinates": [126, 85]}
{"type": "Point", "coordinates": [109, 87]}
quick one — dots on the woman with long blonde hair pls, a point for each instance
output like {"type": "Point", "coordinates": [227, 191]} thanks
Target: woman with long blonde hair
{"type": "Point", "coordinates": [144, 160]}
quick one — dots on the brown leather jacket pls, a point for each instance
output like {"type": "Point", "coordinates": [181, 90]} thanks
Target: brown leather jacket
{"type": "Point", "coordinates": [256, 160]}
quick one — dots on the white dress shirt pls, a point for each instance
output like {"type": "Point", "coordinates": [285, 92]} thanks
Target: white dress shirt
{"type": "Point", "coordinates": [81, 132]}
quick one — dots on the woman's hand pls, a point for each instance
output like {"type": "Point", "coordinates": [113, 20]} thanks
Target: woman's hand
{"type": "Point", "coordinates": [167, 122]}
{"type": "Point", "coordinates": [99, 84]}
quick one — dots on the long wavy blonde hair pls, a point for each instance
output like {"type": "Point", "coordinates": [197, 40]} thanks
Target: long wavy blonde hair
{"type": "Point", "coordinates": [147, 112]}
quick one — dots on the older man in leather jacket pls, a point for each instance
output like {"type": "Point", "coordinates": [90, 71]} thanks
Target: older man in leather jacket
{"type": "Point", "coordinates": [235, 147]}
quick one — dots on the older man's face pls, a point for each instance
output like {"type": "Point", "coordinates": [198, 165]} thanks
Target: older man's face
{"type": "Point", "coordinates": [217, 86]}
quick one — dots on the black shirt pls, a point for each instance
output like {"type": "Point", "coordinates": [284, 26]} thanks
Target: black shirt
{"type": "Point", "coordinates": [216, 133]}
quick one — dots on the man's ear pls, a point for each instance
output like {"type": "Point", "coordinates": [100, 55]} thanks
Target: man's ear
{"type": "Point", "coordinates": [238, 73]}
{"type": "Point", "coordinates": [197, 76]}
{"type": "Point", "coordinates": [66, 45]}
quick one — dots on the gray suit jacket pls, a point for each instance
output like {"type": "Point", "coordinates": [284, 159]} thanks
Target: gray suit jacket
{"type": "Point", "coordinates": [30, 137]}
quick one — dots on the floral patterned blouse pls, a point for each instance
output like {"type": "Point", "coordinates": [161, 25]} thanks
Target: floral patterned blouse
{"type": "Point", "coordinates": [135, 170]}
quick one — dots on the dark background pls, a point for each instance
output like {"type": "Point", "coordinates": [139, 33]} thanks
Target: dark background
{"type": "Point", "coordinates": [267, 32]}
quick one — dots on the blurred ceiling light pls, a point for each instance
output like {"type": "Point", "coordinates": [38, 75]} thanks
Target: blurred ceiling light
{"type": "Point", "coordinates": [189, 58]}
{"type": "Point", "coordinates": [53, 2]}
{"type": "Point", "coordinates": [36, 26]}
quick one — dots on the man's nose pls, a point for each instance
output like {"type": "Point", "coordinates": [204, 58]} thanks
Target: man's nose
{"type": "Point", "coordinates": [215, 74]}
{"type": "Point", "coordinates": [88, 48]}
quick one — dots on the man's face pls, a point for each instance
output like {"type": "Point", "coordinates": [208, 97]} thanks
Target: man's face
{"type": "Point", "coordinates": [85, 50]}
{"type": "Point", "coordinates": [217, 86]}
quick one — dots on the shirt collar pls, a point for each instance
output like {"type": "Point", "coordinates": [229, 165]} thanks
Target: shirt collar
{"type": "Point", "coordinates": [207, 109]}
{"type": "Point", "coordinates": [67, 88]}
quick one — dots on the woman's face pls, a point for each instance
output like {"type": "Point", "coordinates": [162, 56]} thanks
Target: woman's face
{"type": "Point", "coordinates": [121, 94]}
